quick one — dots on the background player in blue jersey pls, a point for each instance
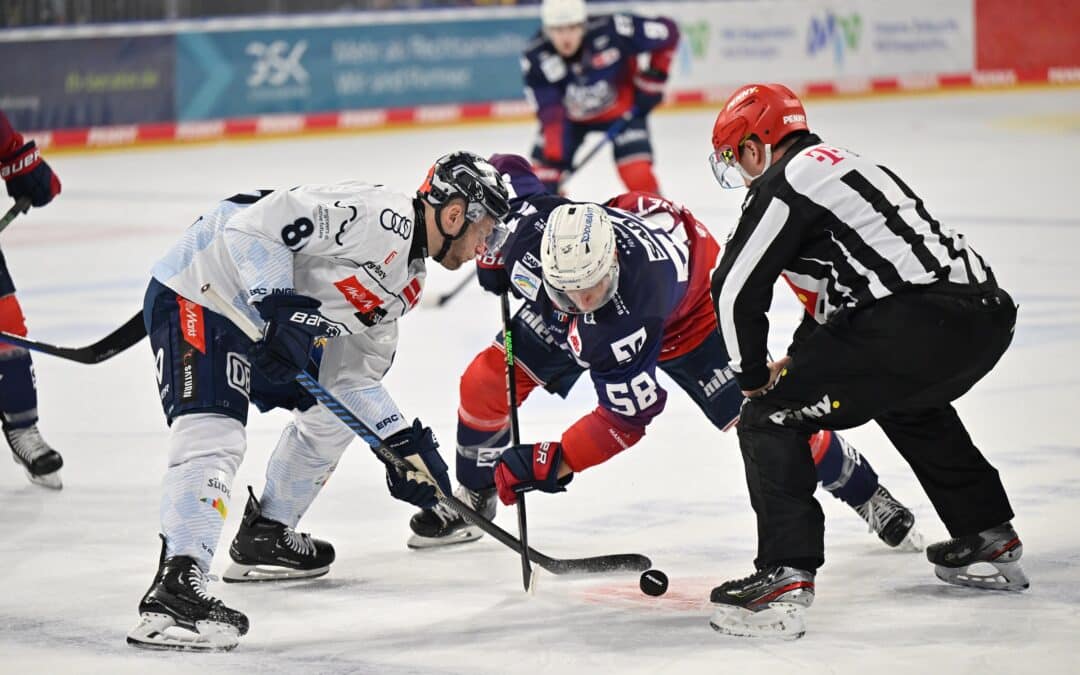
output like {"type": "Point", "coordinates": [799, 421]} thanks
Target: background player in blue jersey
{"type": "Point", "coordinates": [27, 177]}
{"type": "Point", "coordinates": [583, 74]}
{"type": "Point", "coordinates": [636, 300]}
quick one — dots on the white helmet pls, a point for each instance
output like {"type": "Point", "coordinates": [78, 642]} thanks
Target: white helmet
{"type": "Point", "coordinates": [577, 253]}
{"type": "Point", "coordinates": [562, 13]}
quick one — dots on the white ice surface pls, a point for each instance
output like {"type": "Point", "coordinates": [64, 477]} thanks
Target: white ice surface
{"type": "Point", "coordinates": [1000, 167]}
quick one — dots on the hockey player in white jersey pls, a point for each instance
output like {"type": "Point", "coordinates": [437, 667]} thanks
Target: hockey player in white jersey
{"type": "Point", "coordinates": [342, 262]}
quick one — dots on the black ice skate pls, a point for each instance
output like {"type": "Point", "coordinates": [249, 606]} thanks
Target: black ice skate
{"type": "Point", "coordinates": [442, 526]}
{"type": "Point", "coordinates": [178, 600]}
{"type": "Point", "coordinates": [893, 522]}
{"type": "Point", "coordinates": [266, 550]}
{"type": "Point", "coordinates": [768, 603]}
{"type": "Point", "coordinates": [988, 560]}
{"type": "Point", "coordinates": [41, 463]}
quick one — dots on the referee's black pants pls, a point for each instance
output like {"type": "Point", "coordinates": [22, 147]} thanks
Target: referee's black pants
{"type": "Point", "coordinates": [900, 361]}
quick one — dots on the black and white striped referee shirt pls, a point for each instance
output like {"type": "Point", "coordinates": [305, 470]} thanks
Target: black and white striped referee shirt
{"type": "Point", "coordinates": [843, 231]}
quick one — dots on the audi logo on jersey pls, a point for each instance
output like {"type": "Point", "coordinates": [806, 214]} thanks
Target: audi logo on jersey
{"type": "Point", "coordinates": [396, 223]}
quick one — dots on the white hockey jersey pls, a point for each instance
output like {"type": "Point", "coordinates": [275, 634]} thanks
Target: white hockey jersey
{"type": "Point", "coordinates": [347, 245]}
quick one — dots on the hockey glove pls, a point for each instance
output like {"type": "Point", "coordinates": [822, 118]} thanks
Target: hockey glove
{"type": "Point", "coordinates": [417, 445]}
{"type": "Point", "coordinates": [648, 91]}
{"type": "Point", "coordinates": [522, 468]}
{"type": "Point", "coordinates": [27, 175]}
{"type": "Point", "coordinates": [292, 324]}
{"type": "Point", "coordinates": [491, 273]}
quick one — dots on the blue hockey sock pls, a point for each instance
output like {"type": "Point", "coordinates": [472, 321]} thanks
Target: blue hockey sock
{"type": "Point", "coordinates": [476, 454]}
{"type": "Point", "coordinates": [845, 473]}
{"type": "Point", "coordinates": [18, 393]}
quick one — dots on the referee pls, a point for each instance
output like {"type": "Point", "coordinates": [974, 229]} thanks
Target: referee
{"type": "Point", "coordinates": [902, 317]}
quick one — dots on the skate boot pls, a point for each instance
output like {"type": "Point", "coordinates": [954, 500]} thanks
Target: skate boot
{"type": "Point", "coordinates": [178, 600]}
{"type": "Point", "coordinates": [893, 522]}
{"type": "Point", "coordinates": [266, 550]}
{"type": "Point", "coordinates": [442, 526]}
{"type": "Point", "coordinates": [41, 463]}
{"type": "Point", "coordinates": [987, 560]}
{"type": "Point", "coordinates": [768, 603]}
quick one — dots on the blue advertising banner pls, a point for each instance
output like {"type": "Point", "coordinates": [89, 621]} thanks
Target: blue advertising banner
{"type": "Point", "coordinates": [238, 73]}
{"type": "Point", "coordinates": [59, 84]}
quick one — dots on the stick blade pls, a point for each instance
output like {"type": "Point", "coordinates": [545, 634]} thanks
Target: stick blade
{"type": "Point", "coordinates": [602, 564]}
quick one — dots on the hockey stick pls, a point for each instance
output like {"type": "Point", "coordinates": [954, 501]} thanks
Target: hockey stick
{"type": "Point", "coordinates": [614, 130]}
{"type": "Point", "coordinates": [21, 206]}
{"type": "Point", "coordinates": [107, 347]}
{"type": "Point", "coordinates": [515, 438]}
{"type": "Point", "coordinates": [453, 292]}
{"type": "Point", "coordinates": [625, 562]}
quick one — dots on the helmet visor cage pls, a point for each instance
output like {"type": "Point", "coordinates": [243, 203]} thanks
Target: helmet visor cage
{"type": "Point", "coordinates": [561, 299]}
{"type": "Point", "coordinates": [482, 200]}
{"type": "Point", "coordinates": [726, 168]}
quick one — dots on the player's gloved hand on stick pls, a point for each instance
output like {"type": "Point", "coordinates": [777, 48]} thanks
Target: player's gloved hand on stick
{"type": "Point", "coordinates": [491, 273]}
{"type": "Point", "coordinates": [522, 468]}
{"type": "Point", "coordinates": [293, 323]}
{"type": "Point", "coordinates": [417, 445]}
{"type": "Point", "coordinates": [27, 175]}
{"type": "Point", "coordinates": [648, 91]}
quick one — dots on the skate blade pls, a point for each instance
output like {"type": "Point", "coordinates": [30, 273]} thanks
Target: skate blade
{"type": "Point", "coordinates": [46, 480]}
{"type": "Point", "coordinates": [159, 631]}
{"type": "Point", "coordinates": [238, 573]}
{"type": "Point", "coordinates": [992, 576]}
{"type": "Point", "coordinates": [462, 536]}
{"type": "Point", "coordinates": [780, 620]}
{"type": "Point", "coordinates": [913, 541]}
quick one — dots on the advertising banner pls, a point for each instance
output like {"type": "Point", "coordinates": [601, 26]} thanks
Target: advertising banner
{"type": "Point", "coordinates": [58, 84]}
{"type": "Point", "coordinates": [236, 73]}
{"type": "Point", "coordinates": [1036, 34]}
{"type": "Point", "coordinates": [735, 42]}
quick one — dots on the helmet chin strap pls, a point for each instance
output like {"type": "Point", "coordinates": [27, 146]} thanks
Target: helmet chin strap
{"type": "Point", "coordinates": [448, 240]}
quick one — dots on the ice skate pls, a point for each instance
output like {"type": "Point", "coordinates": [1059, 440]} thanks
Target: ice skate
{"type": "Point", "coordinates": [443, 526]}
{"type": "Point", "coordinates": [768, 603]}
{"type": "Point", "coordinates": [266, 550]}
{"type": "Point", "coordinates": [41, 463]}
{"type": "Point", "coordinates": [893, 522]}
{"type": "Point", "coordinates": [987, 560]}
{"type": "Point", "coordinates": [178, 612]}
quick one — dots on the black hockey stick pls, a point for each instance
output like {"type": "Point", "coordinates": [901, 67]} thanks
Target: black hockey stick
{"type": "Point", "coordinates": [515, 437]}
{"type": "Point", "coordinates": [453, 292]}
{"type": "Point", "coordinates": [21, 206]}
{"type": "Point", "coordinates": [626, 562]}
{"type": "Point", "coordinates": [614, 130]}
{"type": "Point", "coordinates": [107, 347]}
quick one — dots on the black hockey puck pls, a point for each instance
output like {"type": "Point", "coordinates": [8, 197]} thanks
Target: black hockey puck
{"type": "Point", "coordinates": [653, 582]}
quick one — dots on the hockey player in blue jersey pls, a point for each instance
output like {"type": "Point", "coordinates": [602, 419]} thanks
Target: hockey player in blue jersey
{"type": "Point", "coordinates": [582, 73]}
{"type": "Point", "coordinates": [27, 176]}
{"type": "Point", "coordinates": [634, 300]}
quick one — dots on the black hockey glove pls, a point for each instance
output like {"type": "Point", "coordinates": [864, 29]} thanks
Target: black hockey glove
{"type": "Point", "coordinates": [417, 445]}
{"type": "Point", "coordinates": [27, 175]}
{"type": "Point", "coordinates": [648, 91]}
{"type": "Point", "coordinates": [292, 324]}
{"type": "Point", "coordinates": [491, 273]}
